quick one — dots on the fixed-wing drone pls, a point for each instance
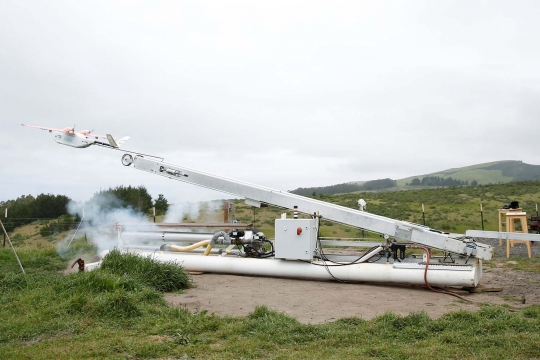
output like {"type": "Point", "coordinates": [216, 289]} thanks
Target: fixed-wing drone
{"type": "Point", "coordinates": [80, 139]}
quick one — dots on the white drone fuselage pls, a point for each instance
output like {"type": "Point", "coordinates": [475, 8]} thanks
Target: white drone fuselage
{"type": "Point", "coordinates": [75, 140]}
{"type": "Point", "coordinates": [80, 139]}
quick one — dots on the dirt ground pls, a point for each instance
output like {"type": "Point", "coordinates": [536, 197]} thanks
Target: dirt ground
{"type": "Point", "coordinates": [318, 301]}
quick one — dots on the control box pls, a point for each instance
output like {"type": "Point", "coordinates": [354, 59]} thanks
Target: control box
{"type": "Point", "coordinates": [295, 239]}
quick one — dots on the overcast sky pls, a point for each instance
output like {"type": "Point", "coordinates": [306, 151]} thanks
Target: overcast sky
{"type": "Point", "coordinates": [283, 94]}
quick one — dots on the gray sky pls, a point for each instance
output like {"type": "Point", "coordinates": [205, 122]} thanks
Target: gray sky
{"type": "Point", "coordinates": [283, 94]}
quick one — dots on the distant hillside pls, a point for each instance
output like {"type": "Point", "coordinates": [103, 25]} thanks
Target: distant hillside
{"type": "Point", "coordinates": [346, 188]}
{"type": "Point", "coordinates": [487, 173]}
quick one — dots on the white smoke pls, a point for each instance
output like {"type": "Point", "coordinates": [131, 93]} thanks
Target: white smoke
{"type": "Point", "coordinates": [101, 214]}
{"type": "Point", "coordinates": [104, 211]}
{"type": "Point", "coordinates": [186, 211]}
{"type": "Point", "coordinates": [208, 211]}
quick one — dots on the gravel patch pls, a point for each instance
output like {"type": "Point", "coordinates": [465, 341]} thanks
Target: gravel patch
{"type": "Point", "coordinates": [518, 251]}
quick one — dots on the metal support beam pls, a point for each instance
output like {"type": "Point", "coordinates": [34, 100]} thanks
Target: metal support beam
{"type": "Point", "coordinates": [503, 235]}
{"type": "Point", "coordinates": [400, 230]}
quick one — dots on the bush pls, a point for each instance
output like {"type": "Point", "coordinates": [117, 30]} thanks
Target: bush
{"type": "Point", "coordinates": [164, 277]}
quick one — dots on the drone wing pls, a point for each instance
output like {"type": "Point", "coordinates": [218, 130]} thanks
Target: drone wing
{"type": "Point", "coordinates": [45, 128]}
{"type": "Point", "coordinates": [91, 134]}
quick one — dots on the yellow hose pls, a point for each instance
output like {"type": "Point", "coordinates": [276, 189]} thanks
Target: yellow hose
{"type": "Point", "coordinates": [192, 246]}
{"type": "Point", "coordinates": [207, 251]}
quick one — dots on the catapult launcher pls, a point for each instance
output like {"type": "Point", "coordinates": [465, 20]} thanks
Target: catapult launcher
{"type": "Point", "coordinates": [297, 250]}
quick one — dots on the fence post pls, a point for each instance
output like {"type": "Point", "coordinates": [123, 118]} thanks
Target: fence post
{"type": "Point", "coordinates": [11, 244]}
{"type": "Point", "coordinates": [482, 216]}
{"type": "Point", "coordinates": [5, 233]}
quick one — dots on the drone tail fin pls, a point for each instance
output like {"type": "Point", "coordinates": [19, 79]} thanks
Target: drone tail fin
{"type": "Point", "coordinates": [111, 141]}
{"type": "Point", "coordinates": [122, 140]}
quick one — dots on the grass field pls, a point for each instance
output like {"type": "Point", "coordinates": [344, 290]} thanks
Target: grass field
{"type": "Point", "coordinates": [479, 172]}
{"type": "Point", "coordinates": [119, 311]}
{"type": "Point", "coordinates": [113, 313]}
{"type": "Point", "coordinates": [455, 209]}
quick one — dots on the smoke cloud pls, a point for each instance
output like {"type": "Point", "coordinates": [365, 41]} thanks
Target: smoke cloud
{"type": "Point", "coordinates": [208, 211]}
{"type": "Point", "coordinates": [101, 213]}
{"type": "Point", "coordinates": [104, 211]}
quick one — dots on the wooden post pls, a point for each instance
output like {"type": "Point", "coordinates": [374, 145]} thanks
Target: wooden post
{"type": "Point", "coordinates": [537, 221]}
{"type": "Point", "coordinates": [11, 244]}
{"type": "Point", "coordinates": [482, 216]}
{"type": "Point", "coordinates": [5, 233]}
{"type": "Point", "coordinates": [423, 215]}
{"type": "Point", "coordinates": [85, 238]}
{"type": "Point", "coordinates": [154, 212]}
{"type": "Point", "coordinates": [225, 212]}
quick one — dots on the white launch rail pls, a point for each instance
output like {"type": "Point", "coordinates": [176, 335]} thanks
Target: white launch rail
{"type": "Point", "coordinates": [255, 195]}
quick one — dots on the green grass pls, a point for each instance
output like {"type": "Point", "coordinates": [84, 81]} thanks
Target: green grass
{"type": "Point", "coordinates": [34, 261]}
{"type": "Point", "coordinates": [454, 209]}
{"type": "Point", "coordinates": [164, 277]}
{"type": "Point", "coordinates": [487, 173]}
{"type": "Point", "coordinates": [111, 313]}
{"type": "Point", "coordinates": [523, 264]}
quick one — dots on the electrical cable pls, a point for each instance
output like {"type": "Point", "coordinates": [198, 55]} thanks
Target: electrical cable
{"type": "Point", "coordinates": [379, 258]}
{"type": "Point", "coordinates": [325, 258]}
{"type": "Point", "coordinates": [271, 252]}
{"type": "Point", "coordinates": [252, 252]}
{"type": "Point", "coordinates": [321, 252]}
{"type": "Point", "coordinates": [426, 250]}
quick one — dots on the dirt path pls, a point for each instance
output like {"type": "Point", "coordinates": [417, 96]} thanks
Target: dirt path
{"type": "Point", "coordinates": [317, 302]}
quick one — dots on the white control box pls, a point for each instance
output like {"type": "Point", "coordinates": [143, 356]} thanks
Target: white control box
{"type": "Point", "coordinates": [295, 239]}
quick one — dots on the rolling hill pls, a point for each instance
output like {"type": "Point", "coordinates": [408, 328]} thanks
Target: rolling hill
{"type": "Point", "coordinates": [497, 172]}
{"type": "Point", "coordinates": [487, 173]}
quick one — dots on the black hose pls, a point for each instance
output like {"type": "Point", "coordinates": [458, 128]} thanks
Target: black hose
{"type": "Point", "coordinates": [324, 258]}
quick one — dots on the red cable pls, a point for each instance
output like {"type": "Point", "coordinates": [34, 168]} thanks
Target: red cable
{"type": "Point", "coordinates": [429, 286]}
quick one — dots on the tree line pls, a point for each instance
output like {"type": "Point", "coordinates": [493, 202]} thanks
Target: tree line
{"type": "Point", "coordinates": [136, 198]}
{"type": "Point", "coordinates": [27, 208]}
{"type": "Point", "coordinates": [440, 181]}
{"type": "Point", "coordinates": [380, 184]}
{"type": "Point", "coordinates": [371, 185]}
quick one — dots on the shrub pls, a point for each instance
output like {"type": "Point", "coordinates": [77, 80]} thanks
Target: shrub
{"type": "Point", "coordinates": [164, 277]}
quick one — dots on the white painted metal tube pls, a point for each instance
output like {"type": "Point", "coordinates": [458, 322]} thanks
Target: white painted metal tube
{"type": "Point", "coordinates": [504, 235]}
{"type": "Point", "coordinates": [412, 273]}
{"type": "Point", "coordinates": [137, 248]}
{"type": "Point", "coordinates": [165, 236]}
{"type": "Point", "coordinates": [400, 230]}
